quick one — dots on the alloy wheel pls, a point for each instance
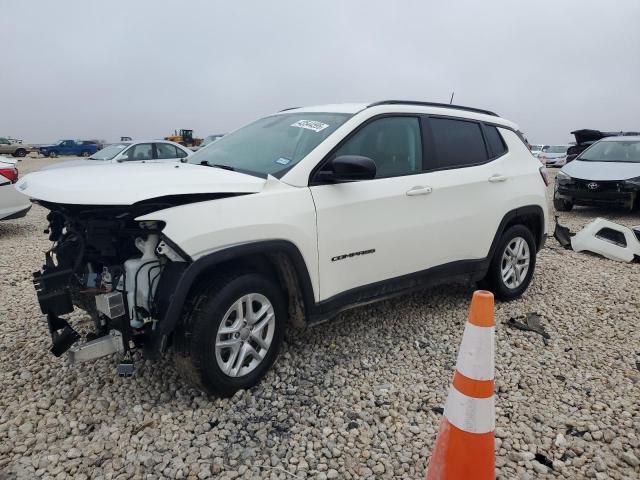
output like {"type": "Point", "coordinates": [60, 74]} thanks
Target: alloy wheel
{"type": "Point", "coordinates": [515, 262]}
{"type": "Point", "coordinates": [245, 335]}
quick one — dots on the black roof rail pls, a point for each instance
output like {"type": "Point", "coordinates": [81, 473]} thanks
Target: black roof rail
{"type": "Point", "coordinates": [285, 109]}
{"type": "Point", "coordinates": [432, 104]}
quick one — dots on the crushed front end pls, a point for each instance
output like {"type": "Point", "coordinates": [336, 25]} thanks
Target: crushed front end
{"type": "Point", "coordinates": [111, 266]}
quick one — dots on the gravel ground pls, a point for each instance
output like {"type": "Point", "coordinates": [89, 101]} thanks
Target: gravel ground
{"type": "Point", "coordinates": [358, 397]}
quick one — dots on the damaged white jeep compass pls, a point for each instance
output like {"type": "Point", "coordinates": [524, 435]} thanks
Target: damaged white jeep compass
{"type": "Point", "coordinates": [288, 220]}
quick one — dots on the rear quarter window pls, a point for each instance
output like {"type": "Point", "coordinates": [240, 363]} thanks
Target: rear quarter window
{"type": "Point", "coordinates": [495, 142]}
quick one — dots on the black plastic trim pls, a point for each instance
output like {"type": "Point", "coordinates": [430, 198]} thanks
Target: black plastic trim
{"type": "Point", "coordinates": [175, 247]}
{"type": "Point", "coordinates": [463, 270]}
{"type": "Point", "coordinates": [185, 282]}
{"type": "Point", "coordinates": [433, 104]}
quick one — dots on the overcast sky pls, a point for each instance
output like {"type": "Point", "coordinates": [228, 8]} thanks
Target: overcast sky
{"type": "Point", "coordinates": [96, 69]}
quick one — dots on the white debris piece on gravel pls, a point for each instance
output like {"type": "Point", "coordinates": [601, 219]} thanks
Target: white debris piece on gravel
{"type": "Point", "coordinates": [358, 397]}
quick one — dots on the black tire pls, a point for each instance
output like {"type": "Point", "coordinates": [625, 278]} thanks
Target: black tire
{"type": "Point", "coordinates": [562, 205]}
{"type": "Point", "coordinates": [194, 342]}
{"type": "Point", "coordinates": [52, 154]}
{"type": "Point", "coordinates": [494, 281]}
{"type": "Point", "coordinates": [21, 152]}
{"type": "Point", "coordinates": [84, 154]}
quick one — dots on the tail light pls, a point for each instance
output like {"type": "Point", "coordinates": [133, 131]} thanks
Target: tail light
{"type": "Point", "coordinates": [10, 174]}
{"type": "Point", "coordinates": [545, 176]}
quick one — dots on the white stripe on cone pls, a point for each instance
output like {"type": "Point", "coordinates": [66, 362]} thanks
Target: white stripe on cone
{"type": "Point", "coordinates": [473, 415]}
{"type": "Point", "coordinates": [475, 357]}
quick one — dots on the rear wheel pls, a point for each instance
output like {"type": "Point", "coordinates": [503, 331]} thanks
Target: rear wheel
{"type": "Point", "coordinates": [231, 333]}
{"type": "Point", "coordinates": [513, 263]}
{"type": "Point", "coordinates": [21, 152]}
{"type": "Point", "coordinates": [53, 154]}
{"type": "Point", "coordinates": [85, 154]}
{"type": "Point", "coordinates": [562, 205]}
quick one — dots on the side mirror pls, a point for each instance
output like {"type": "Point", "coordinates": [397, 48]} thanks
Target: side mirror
{"type": "Point", "coordinates": [348, 168]}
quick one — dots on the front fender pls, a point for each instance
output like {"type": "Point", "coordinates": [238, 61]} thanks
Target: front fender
{"type": "Point", "coordinates": [180, 281]}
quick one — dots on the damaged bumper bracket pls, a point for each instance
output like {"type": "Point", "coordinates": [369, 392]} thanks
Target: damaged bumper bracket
{"type": "Point", "coordinates": [100, 347]}
{"type": "Point", "coordinates": [62, 335]}
{"type": "Point", "coordinates": [52, 288]}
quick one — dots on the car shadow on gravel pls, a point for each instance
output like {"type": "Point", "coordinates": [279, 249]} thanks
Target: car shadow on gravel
{"type": "Point", "coordinates": [614, 214]}
{"type": "Point", "coordinates": [17, 229]}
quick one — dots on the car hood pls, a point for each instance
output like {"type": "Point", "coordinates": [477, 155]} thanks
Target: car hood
{"type": "Point", "coordinates": [553, 155]}
{"type": "Point", "coordinates": [75, 163]}
{"type": "Point", "coordinates": [601, 170]}
{"type": "Point", "coordinates": [126, 184]}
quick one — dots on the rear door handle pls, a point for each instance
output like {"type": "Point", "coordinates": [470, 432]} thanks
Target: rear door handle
{"type": "Point", "coordinates": [497, 178]}
{"type": "Point", "coordinates": [419, 191]}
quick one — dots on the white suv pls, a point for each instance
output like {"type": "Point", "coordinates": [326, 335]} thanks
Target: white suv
{"type": "Point", "coordinates": [290, 219]}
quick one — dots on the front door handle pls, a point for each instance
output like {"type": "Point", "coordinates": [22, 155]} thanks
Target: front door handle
{"type": "Point", "coordinates": [497, 178]}
{"type": "Point", "coordinates": [419, 191]}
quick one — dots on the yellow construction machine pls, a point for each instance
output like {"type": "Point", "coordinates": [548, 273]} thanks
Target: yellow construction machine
{"type": "Point", "coordinates": [184, 137]}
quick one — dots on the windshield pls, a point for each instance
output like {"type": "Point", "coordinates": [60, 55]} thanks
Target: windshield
{"type": "Point", "coordinates": [536, 147]}
{"type": "Point", "coordinates": [271, 145]}
{"type": "Point", "coordinates": [612, 151]}
{"type": "Point", "coordinates": [556, 149]}
{"type": "Point", "coordinates": [109, 152]}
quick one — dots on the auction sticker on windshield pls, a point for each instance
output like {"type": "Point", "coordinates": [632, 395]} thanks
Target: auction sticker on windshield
{"type": "Point", "coordinates": [310, 125]}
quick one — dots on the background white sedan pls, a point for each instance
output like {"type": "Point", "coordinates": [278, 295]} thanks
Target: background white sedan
{"type": "Point", "coordinates": [13, 204]}
{"type": "Point", "coordinates": [149, 150]}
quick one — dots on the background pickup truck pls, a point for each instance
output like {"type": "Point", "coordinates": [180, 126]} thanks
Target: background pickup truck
{"type": "Point", "coordinates": [69, 147]}
{"type": "Point", "coordinates": [15, 148]}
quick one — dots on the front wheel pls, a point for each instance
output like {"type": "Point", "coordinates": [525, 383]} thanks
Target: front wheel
{"type": "Point", "coordinates": [21, 152]}
{"type": "Point", "coordinates": [231, 333]}
{"type": "Point", "coordinates": [513, 263]}
{"type": "Point", "coordinates": [84, 154]}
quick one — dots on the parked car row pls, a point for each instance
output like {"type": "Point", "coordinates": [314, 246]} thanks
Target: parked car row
{"type": "Point", "coordinates": [140, 151]}
{"type": "Point", "coordinates": [13, 204]}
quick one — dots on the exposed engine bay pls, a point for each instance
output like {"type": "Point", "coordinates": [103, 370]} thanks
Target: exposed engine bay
{"type": "Point", "coordinates": [106, 263]}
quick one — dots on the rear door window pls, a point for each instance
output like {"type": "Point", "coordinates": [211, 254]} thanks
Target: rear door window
{"type": "Point", "coordinates": [457, 143]}
{"type": "Point", "coordinates": [142, 151]}
{"type": "Point", "coordinates": [166, 151]}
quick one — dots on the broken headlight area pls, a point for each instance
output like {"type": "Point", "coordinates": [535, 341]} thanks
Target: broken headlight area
{"type": "Point", "coordinates": [108, 264]}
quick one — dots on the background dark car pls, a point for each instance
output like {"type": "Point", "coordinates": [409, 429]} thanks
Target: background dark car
{"type": "Point", "coordinates": [587, 137]}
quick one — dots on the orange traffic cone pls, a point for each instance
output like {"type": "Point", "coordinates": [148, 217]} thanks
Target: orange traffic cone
{"type": "Point", "coordinates": [464, 447]}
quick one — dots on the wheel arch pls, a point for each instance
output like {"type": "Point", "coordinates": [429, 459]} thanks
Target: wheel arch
{"type": "Point", "coordinates": [279, 258]}
{"type": "Point", "coordinates": [531, 216]}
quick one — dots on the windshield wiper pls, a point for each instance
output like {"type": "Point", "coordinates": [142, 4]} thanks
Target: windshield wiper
{"type": "Point", "coordinates": [217, 165]}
